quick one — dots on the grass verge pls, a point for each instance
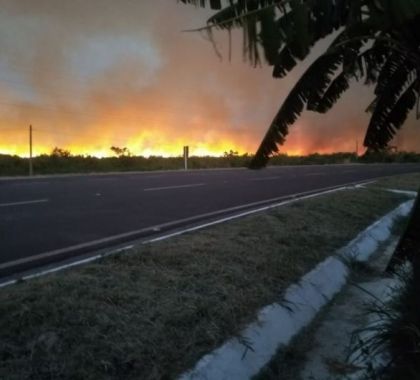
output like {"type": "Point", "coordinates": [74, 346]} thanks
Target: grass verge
{"type": "Point", "coordinates": [407, 182]}
{"type": "Point", "coordinates": [153, 313]}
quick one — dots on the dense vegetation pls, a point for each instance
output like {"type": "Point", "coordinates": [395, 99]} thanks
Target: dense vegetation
{"type": "Point", "coordinates": [66, 163]}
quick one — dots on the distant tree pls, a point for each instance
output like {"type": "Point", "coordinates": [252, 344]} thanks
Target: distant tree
{"type": "Point", "coordinates": [121, 152]}
{"type": "Point", "coordinates": [231, 154]}
{"type": "Point", "coordinates": [59, 152]}
{"type": "Point", "coordinates": [377, 41]}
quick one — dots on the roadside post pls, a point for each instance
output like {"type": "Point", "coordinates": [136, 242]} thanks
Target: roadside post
{"type": "Point", "coordinates": [186, 154]}
{"type": "Point", "coordinates": [31, 168]}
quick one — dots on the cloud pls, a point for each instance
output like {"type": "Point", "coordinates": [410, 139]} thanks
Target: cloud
{"type": "Point", "coordinates": [93, 74]}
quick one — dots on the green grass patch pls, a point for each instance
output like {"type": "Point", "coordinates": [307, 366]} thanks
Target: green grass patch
{"type": "Point", "coordinates": [152, 313]}
{"type": "Point", "coordinates": [408, 182]}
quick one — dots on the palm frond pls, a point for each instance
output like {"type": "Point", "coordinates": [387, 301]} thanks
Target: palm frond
{"type": "Point", "coordinates": [374, 58]}
{"type": "Point", "coordinates": [379, 41]}
{"type": "Point", "coordinates": [284, 63]}
{"type": "Point", "coordinates": [314, 80]}
{"type": "Point", "coordinates": [322, 99]}
{"type": "Point", "coordinates": [391, 67]}
{"type": "Point", "coordinates": [337, 87]}
{"type": "Point", "coordinates": [269, 35]}
{"type": "Point", "coordinates": [301, 26]}
{"type": "Point", "coordinates": [391, 110]}
{"type": "Point", "coordinates": [398, 12]}
{"type": "Point", "coordinates": [214, 4]}
{"type": "Point", "coordinates": [237, 13]}
{"type": "Point", "coordinates": [286, 27]}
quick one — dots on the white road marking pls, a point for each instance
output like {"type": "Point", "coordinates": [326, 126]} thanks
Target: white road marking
{"type": "Point", "coordinates": [20, 184]}
{"type": "Point", "coordinates": [23, 203]}
{"type": "Point", "coordinates": [11, 282]}
{"type": "Point", "coordinates": [174, 187]}
{"type": "Point", "coordinates": [363, 185]}
{"type": "Point", "coordinates": [66, 266]}
{"type": "Point", "coordinates": [405, 192]}
{"type": "Point", "coordinates": [61, 267]}
{"type": "Point", "coordinates": [75, 263]}
{"type": "Point", "coordinates": [157, 176]}
{"type": "Point", "coordinates": [315, 174]}
{"type": "Point", "coordinates": [104, 180]}
{"type": "Point", "coordinates": [266, 178]}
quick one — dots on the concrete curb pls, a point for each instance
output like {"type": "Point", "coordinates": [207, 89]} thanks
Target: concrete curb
{"type": "Point", "coordinates": [367, 242]}
{"type": "Point", "coordinates": [276, 324]}
{"type": "Point", "coordinates": [405, 192]}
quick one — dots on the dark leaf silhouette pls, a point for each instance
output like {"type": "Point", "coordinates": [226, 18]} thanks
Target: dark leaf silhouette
{"type": "Point", "coordinates": [379, 43]}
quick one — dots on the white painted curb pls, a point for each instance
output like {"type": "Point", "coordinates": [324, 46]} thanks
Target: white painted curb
{"type": "Point", "coordinates": [405, 192]}
{"type": "Point", "coordinates": [278, 323]}
{"type": "Point", "coordinates": [368, 241]}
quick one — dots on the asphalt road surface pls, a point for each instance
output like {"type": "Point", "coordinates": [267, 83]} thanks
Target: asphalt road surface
{"type": "Point", "coordinates": [63, 214]}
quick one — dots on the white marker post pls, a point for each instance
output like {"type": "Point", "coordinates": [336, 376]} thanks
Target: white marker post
{"type": "Point", "coordinates": [186, 154]}
{"type": "Point", "coordinates": [31, 168]}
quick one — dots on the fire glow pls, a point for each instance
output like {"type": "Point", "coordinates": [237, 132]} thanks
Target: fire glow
{"type": "Point", "coordinates": [140, 145]}
{"type": "Point", "coordinates": [144, 144]}
{"type": "Point", "coordinates": [89, 76]}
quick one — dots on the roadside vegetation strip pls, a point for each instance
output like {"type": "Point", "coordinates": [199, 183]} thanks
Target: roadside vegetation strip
{"type": "Point", "coordinates": [404, 182]}
{"type": "Point", "coordinates": [62, 162]}
{"type": "Point", "coordinates": [279, 322]}
{"type": "Point", "coordinates": [155, 312]}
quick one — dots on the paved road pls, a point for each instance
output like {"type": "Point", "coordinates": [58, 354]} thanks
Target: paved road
{"type": "Point", "coordinates": [40, 215]}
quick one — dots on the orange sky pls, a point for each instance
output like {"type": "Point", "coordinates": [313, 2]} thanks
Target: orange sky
{"type": "Point", "coordinates": [91, 75]}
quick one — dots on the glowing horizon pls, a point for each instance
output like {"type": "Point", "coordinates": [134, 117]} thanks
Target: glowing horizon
{"type": "Point", "coordinates": [153, 142]}
{"type": "Point", "coordinates": [174, 151]}
{"type": "Point", "coordinates": [196, 150]}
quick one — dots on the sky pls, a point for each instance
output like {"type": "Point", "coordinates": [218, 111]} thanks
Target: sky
{"type": "Point", "coordinates": [93, 74]}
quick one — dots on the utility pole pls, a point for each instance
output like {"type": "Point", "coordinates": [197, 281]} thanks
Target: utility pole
{"type": "Point", "coordinates": [186, 153]}
{"type": "Point", "coordinates": [31, 168]}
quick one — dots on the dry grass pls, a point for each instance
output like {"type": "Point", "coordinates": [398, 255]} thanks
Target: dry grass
{"type": "Point", "coordinates": [410, 182]}
{"type": "Point", "coordinates": [153, 313]}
